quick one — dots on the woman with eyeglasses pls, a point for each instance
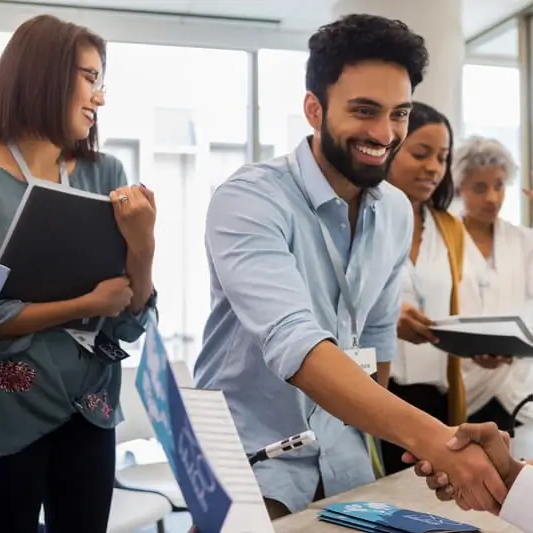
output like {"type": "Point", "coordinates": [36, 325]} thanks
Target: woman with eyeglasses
{"type": "Point", "coordinates": [59, 403]}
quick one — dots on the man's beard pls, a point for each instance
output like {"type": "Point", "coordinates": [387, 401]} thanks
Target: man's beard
{"type": "Point", "coordinates": [342, 160]}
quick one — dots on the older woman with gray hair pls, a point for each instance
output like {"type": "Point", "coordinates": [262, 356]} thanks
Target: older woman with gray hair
{"type": "Point", "coordinates": [497, 277]}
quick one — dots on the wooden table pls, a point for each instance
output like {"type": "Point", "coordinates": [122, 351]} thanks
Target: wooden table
{"type": "Point", "coordinates": [404, 490]}
{"type": "Point", "coordinates": [307, 522]}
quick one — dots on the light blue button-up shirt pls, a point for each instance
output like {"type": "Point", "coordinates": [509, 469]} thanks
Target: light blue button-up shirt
{"type": "Point", "coordinates": [275, 296]}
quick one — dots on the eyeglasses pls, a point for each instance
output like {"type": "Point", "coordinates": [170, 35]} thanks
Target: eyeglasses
{"type": "Point", "coordinates": [95, 79]}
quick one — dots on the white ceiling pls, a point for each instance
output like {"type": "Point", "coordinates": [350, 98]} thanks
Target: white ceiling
{"type": "Point", "coordinates": [479, 15]}
{"type": "Point", "coordinates": [296, 14]}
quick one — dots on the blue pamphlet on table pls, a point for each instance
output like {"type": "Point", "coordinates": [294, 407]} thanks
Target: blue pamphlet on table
{"type": "Point", "coordinates": [370, 517]}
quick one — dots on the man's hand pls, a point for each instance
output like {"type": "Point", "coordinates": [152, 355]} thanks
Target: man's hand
{"type": "Point", "coordinates": [413, 326]}
{"type": "Point", "coordinates": [477, 484]}
{"type": "Point", "coordinates": [495, 443]}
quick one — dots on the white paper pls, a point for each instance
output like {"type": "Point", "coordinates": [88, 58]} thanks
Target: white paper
{"type": "Point", "coordinates": [85, 339]}
{"type": "Point", "coordinates": [4, 273]}
{"type": "Point", "coordinates": [215, 430]}
{"type": "Point", "coordinates": [503, 326]}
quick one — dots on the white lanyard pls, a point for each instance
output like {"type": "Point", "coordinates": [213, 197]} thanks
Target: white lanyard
{"type": "Point", "coordinates": [364, 251]}
{"type": "Point", "coordinates": [336, 262]}
{"type": "Point", "coordinates": [28, 176]}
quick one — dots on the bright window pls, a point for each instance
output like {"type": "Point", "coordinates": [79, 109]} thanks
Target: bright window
{"type": "Point", "coordinates": [177, 107]}
{"type": "Point", "coordinates": [281, 95]}
{"type": "Point", "coordinates": [491, 107]}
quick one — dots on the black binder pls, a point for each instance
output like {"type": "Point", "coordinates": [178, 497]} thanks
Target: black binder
{"type": "Point", "coordinates": [506, 336]}
{"type": "Point", "coordinates": [61, 243]}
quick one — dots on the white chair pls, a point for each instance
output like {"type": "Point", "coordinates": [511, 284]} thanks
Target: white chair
{"type": "Point", "coordinates": [154, 477]}
{"type": "Point", "coordinates": [132, 511]}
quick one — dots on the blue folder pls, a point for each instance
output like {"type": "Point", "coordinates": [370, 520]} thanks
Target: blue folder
{"type": "Point", "coordinates": [374, 517]}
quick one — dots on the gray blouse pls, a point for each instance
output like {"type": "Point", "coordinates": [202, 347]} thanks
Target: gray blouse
{"type": "Point", "coordinates": [47, 377]}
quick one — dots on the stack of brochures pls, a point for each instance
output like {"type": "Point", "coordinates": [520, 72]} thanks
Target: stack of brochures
{"type": "Point", "coordinates": [371, 517]}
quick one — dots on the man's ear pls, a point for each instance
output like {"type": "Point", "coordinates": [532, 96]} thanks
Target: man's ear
{"type": "Point", "coordinates": [313, 111]}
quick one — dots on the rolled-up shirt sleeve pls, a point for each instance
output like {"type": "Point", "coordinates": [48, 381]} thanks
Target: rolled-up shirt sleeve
{"type": "Point", "coordinates": [248, 232]}
{"type": "Point", "coordinates": [129, 327]}
{"type": "Point", "coordinates": [379, 331]}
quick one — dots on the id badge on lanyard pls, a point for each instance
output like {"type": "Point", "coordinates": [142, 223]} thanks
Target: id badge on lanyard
{"type": "Point", "coordinates": [366, 358]}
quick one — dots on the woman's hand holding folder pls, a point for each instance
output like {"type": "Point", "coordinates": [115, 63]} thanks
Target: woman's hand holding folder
{"type": "Point", "coordinates": [490, 362]}
{"type": "Point", "coordinates": [413, 326]}
{"type": "Point", "coordinates": [110, 297]}
{"type": "Point", "coordinates": [135, 214]}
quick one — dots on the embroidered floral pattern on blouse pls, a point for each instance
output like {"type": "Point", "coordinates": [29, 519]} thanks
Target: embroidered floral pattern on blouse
{"type": "Point", "coordinates": [98, 402]}
{"type": "Point", "coordinates": [16, 377]}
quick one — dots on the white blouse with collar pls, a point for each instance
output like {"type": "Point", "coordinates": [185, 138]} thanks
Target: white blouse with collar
{"type": "Point", "coordinates": [428, 286]}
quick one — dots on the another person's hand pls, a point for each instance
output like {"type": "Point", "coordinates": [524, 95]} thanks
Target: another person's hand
{"type": "Point", "coordinates": [135, 213]}
{"type": "Point", "coordinates": [110, 297]}
{"type": "Point", "coordinates": [413, 326]}
{"type": "Point", "coordinates": [491, 362]}
{"type": "Point", "coordinates": [475, 479]}
{"type": "Point", "coordinates": [496, 445]}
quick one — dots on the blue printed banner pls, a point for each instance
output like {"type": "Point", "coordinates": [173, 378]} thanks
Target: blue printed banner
{"type": "Point", "coordinates": [206, 499]}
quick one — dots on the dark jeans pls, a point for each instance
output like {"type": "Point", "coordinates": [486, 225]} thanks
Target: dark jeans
{"type": "Point", "coordinates": [71, 470]}
{"type": "Point", "coordinates": [428, 399]}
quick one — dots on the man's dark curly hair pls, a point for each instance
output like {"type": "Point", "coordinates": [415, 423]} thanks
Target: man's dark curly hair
{"type": "Point", "coordinates": [356, 38]}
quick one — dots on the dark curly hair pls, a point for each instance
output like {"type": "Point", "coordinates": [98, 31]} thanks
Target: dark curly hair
{"type": "Point", "coordinates": [356, 38]}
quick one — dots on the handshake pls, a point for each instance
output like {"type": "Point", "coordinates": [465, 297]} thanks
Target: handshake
{"type": "Point", "coordinates": [496, 446]}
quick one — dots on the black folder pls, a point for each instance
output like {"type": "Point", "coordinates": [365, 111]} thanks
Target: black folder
{"type": "Point", "coordinates": [506, 336]}
{"type": "Point", "coordinates": [61, 243]}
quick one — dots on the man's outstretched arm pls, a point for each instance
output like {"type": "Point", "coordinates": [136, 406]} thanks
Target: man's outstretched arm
{"type": "Point", "coordinates": [342, 388]}
{"type": "Point", "coordinates": [247, 234]}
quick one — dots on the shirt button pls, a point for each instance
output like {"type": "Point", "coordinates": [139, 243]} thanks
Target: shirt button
{"type": "Point", "coordinates": [337, 201]}
{"type": "Point", "coordinates": [343, 225]}
{"type": "Point", "coordinates": [343, 323]}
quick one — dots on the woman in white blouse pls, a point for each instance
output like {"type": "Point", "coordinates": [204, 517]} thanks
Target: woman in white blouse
{"type": "Point", "coordinates": [498, 277]}
{"type": "Point", "coordinates": [421, 374]}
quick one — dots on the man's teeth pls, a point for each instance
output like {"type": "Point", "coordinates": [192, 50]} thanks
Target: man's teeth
{"type": "Point", "coordinates": [374, 152]}
{"type": "Point", "coordinates": [89, 114]}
